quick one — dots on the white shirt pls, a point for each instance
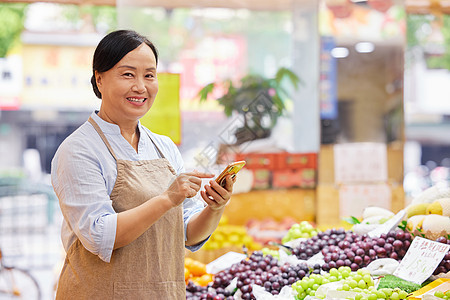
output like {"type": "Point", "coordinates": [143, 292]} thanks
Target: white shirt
{"type": "Point", "coordinates": [84, 173]}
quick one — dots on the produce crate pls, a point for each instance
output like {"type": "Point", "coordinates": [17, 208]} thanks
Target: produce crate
{"type": "Point", "coordinates": [303, 178]}
{"type": "Point", "coordinates": [261, 179]}
{"type": "Point", "coordinates": [282, 179]}
{"type": "Point", "coordinates": [286, 160]}
{"type": "Point", "coordinates": [258, 160]}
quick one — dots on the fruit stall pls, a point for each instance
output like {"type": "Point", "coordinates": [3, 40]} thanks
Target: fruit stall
{"type": "Point", "coordinates": [380, 254]}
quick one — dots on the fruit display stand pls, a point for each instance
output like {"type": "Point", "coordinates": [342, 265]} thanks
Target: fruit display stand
{"type": "Point", "coordinates": [262, 205]}
{"type": "Point", "coordinates": [352, 264]}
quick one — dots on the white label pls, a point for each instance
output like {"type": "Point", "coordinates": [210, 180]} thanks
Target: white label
{"type": "Point", "coordinates": [421, 259]}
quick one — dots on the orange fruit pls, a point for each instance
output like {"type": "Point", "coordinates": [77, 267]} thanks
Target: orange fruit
{"type": "Point", "coordinates": [197, 268]}
{"type": "Point", "coordinates": [204, 279]}
{"type": "Point", "coordinates": [187, 273]}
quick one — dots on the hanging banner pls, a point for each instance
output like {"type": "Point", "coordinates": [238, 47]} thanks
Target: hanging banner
{"type": "Point", "coordinates": [164, 116]}
{"type": "Point", "coordinates": [328, 80]}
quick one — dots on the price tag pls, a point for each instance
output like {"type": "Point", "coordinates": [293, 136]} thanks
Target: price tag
{"type": "Point", "coordinates": [421, 259]}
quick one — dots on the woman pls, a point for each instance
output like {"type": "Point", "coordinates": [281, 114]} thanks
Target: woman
{"type": "Point", "coordinates": [123, 191]}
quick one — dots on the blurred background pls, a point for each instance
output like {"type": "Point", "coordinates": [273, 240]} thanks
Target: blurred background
{"type": "Point", "coordinates": [347, 101]}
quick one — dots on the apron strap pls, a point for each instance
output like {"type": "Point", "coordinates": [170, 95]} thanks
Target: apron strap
{"type": "Point", "coordinates": [156, 146]}
{"type": "Point", "coordinates": [100, 133]}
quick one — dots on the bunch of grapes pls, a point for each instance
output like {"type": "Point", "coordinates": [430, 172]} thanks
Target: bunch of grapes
{"type": "Point", "coordinates": [273, 252]}
{"type": "Point", "coordinates": [307, 249]}
{"type": "Point", "coordinates": [357, 251]}
{"type": "Point", "coordinates": [309, 285]}
{"type": "Point", "coordinates": [197, 292]}
{"type": "Point", "coordinates": [385, 293]}
{"type": "Point", "coordinates": [301, 230]}
{"type": "Point", "coordinates": [444, 266]}
{"type": "Point", "coordinates": [262, 270]}
{"type": "Point", "coordinates": [357, 281]}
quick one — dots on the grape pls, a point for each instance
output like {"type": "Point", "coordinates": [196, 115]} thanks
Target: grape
{"type": "Point", "coordinates": [301, 230]}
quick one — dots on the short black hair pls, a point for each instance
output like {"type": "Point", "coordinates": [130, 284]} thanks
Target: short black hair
{"type": "Point", "coordinates": [112, 48]}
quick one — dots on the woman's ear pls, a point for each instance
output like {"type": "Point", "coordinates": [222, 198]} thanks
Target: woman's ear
{"type": "Point", "coordinates": [98, 79]}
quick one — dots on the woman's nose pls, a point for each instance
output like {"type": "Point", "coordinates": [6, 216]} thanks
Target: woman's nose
{"type": "Point", "coordinates": [139, 86]}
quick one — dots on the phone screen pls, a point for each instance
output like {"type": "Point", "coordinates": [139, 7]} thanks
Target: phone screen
{"type": "Point", "coordinates": [231, 169]}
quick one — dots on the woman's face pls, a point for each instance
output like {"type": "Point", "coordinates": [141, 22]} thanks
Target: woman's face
{"type": "Point", "coordinates": [130, 87]}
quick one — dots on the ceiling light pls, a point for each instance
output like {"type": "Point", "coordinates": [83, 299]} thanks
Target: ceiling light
{"type": "Point", "coordinates": [364, 47]}
{"type": "Point", "coordinates": [339, 52]}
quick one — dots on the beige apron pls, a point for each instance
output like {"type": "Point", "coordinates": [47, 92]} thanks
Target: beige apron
{"type": "Point", "coordinates": [151, 267]}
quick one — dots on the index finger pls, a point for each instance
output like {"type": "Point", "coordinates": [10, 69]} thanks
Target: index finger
{"type": "Point", "coordinates": [200, 174]}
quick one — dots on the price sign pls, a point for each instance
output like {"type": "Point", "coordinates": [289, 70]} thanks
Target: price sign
{"type": "Point", "coordinates": [421, 259]}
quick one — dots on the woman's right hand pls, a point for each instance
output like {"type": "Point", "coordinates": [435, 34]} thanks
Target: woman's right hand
{"type": "Point", "coordinates": [185, 185]}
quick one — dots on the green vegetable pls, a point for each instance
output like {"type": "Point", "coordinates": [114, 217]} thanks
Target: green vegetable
{"type": "Point", "coordinates": [352, 220]}
{"type": "Point", "coordinates": [391, 281]}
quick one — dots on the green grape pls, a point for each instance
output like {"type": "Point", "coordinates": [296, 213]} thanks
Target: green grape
{"type": "Point", "coordinates": [333, 278]}
{"type": "Point", "coordinates": [352, 283]}
{"type": "Point", "coordinates": [345, 273]}
{"type": "Point", "coordinates": [334, 272]}
{"type": "Point", "coordinates": [304, 283]}
{"type": "Point", "coordinates": [308, 291]}
{"type": "Point", "coordinates": [367, 278]}
{"type": "Point", "coordinates": [373, 296]}
{"type": "Point", "coordinates": [312, 293]}
{"type": "Point", "coordinates": [381, 295]}
{"type": "Point", "coordinates": [362, 284]}
{"type": "Point", "coordinates": [395, 296]}
{"type": "Point", "coordinates": [357, 277]}
{"type": "Point", "coordinates": [345, 287]}
{"type": "Point", "coordinates": [439, 294]}
{"type": "Point", "coordinates": [402, 294]}
{"type": "Point", "coordinates": [447, 293]}
{"type": "Point", "coordinates": [387, 292]}
{"type": "Point", "coordinates": [298, 288]}
{"type": "Point", "coordinates": [315, 286]}
{"type": "Point", "coordinates": [358, 296]}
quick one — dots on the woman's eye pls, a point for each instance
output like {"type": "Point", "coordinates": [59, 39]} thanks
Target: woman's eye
{"type": "Point", "coordinates": [128, 74]}
{"type": "Point", "coordinates": [150, 75]}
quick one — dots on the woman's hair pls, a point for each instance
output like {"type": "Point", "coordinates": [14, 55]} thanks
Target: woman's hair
{"type": "Point", "coordinates": [112, 48]}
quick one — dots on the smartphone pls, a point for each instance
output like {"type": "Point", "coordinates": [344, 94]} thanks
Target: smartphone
{"type": "Point", "coordinates": [231, 169]}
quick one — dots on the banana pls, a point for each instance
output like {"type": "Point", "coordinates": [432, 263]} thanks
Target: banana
{"type": "Point", "coordinates": [416, 209]}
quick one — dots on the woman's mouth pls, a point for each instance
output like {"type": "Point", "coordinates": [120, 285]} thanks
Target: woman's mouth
{"type": "Point", "coordinates": [136, 100]}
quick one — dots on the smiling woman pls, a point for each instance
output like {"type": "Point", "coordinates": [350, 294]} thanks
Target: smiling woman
{"type": "Point", "coordinates": [119, 184]}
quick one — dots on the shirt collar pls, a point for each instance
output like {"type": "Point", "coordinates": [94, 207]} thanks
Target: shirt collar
{"type": "Point", "coordinates": [107, 127]}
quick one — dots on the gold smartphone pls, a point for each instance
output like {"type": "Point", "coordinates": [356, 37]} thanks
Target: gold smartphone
{"type": "Point", "coordinates": [232, 170]}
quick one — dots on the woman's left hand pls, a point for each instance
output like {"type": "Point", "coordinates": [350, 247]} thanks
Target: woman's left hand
{"type": "Point", "coordinates": [217, 196]}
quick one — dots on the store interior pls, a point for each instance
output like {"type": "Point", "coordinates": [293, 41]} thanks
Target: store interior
{"type": "Point", "coordinates": [350, 112]}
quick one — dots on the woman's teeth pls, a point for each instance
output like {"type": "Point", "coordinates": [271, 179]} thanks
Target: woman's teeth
{"type": "Point", "coordinates": [137, 100]}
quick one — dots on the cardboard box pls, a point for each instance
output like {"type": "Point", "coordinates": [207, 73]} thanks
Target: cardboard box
{"type": "Point", "coordinates": [328, 212]}
{"type": "Point", "coordinates": [326, 164]}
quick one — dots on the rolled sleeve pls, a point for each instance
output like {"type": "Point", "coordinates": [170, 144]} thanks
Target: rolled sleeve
{"type": "Point", "coordinates": [109, 237]}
